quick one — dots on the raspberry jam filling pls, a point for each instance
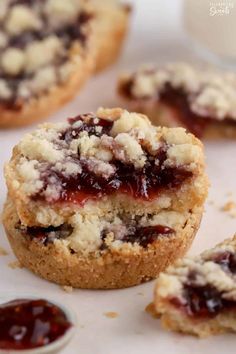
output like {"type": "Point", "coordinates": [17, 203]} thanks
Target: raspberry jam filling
{"type": "Point", "coordinates": [144, 183]}
{"type": "Point", "coordinates": [207, 300]}
{"type": "Point", "coordinates": [227, 260]}
{"type": "Point", "coordinates": [144, 236]}
{"type": "Point", "coordinates": [203, 301]}
{"type": "Point", "coordinates": [132, 233]}
{"type": "Point", "coordinates": [178, 101]}
{"type": "Point", "coordinates": [147, 235]}
{"type": "Point", "coordinates": [47, 235]}
{"type": "Point", "coordinates": [27, 324]}
{"type": "Point", "coordinates": [88, 123]}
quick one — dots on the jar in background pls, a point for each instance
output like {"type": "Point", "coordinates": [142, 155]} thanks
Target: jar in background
{"type": "Point", "coordinates": [211, 26]}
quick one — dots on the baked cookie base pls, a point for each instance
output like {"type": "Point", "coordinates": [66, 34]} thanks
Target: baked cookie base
{"type": "Point", "coordinates": [111, 269]}
{"type": "Point", "coordinates": [222, 323]}
{"type": "Point", "coordinates": [112, 27]}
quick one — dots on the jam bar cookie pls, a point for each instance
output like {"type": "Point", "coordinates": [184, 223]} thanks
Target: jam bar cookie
{"type": "Point", "coordinates": [112, 19]}
{"type": "Point", "coordinates": [177, 94]}
{"type": "Point", "coordinates": [198, 295]}
{"type": "Point", "coordinates": [47, 53]}
{"type": "Point", "coordinates": [105, 200]}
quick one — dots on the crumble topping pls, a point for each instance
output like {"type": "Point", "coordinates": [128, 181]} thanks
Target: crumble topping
{"type": "Point", "coordinates": [210, 279]}
{"type": "Point", "coordinates": [210, 94]}
{"type": "Point", "coordinates": [20, 19]}
{"type": "Point", "coordinates": [96, 156]}
{"type": "Point", "coordinates": [183, 154]}
{"type": "Point", "coordinates": [64, 12]}
{"type": "Point", "coordinates": [36, 39]}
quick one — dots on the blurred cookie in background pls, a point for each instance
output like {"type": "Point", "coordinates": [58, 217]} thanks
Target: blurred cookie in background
{"type": "Point", "coordinates": [202, 100]}
{"type": "Point", "coordinates": [48, 50]}
{"type": "Point", "coordinates": [112, 21]}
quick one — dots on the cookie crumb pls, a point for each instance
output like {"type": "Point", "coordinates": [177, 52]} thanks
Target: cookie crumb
{"type": "Point", "coordinates": [67, 289]}
{"type": "Point", "coordinates": [230, 205]}
{"type": "Point", "coordinates": [150, 309]}
{"type": "Point", "coordinates": [15, 265]}
{"type": "Point", "coordinates": [111, 314]}
{"type": "Point", "coordinates": [230, 208]}
{"type": "Point", "coordinates": [3, 252]}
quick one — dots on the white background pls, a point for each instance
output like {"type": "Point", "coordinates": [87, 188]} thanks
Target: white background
{"type": "Point", "coordinates": [155, 36]}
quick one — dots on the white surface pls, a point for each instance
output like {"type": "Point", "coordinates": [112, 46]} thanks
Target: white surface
{"type": "Point", "coordinates": [155, 36]}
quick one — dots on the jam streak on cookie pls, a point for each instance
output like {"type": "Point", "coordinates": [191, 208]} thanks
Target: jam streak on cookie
{"type": "Point", "coordinates": [177, 100]}
{"type": "Point", "coordinates": [227, 260]}
{"type": "Point", "coordinates": [92, 125]}
{"type": "Point", "coordinates": [46, 235]}
{"type": "Point", "coordinates": [144, 183]}
{"type": "Point", "coordinates": [27, 324]}
{"type": "Point", "coordinates": [203, 301]}
{"type": "Point", "coordinates": [147, 235]}
{"type": "Point", "coordinates": [143, 235]}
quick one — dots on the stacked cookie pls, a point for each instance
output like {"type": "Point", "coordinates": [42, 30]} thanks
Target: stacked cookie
{"type": "Point", "coordinates": [104, 200]}
{"type": "Point", "coordinates": [49, 49]}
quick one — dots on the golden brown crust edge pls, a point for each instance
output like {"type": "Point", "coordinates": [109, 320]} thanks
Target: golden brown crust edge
{"type": "Point", "coordinates": [109, 271]}
{"type": "Point", "coordinates": [112, 29]}
{"type": "Point", "coordinates": [40, 108]}
{"type": "Point", "coordinates": [200, 328]}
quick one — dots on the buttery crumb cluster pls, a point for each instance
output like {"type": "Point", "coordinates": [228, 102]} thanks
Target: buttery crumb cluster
{"type": "Point", "coordinates": [209, 93]}
{"type": "Point", "coordinates": [93, 156]}
{"type": "Point", "coordinates": [203, 286]}
{"type": "Point", "coordinates": [36, 40]}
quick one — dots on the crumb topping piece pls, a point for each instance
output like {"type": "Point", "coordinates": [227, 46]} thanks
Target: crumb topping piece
{"type": "Point", "coordinates": [209, 93]}
{"type": "Point", "coordinates": [36, 39]}
{"type": "Point", "coordinates": [90, 157]}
